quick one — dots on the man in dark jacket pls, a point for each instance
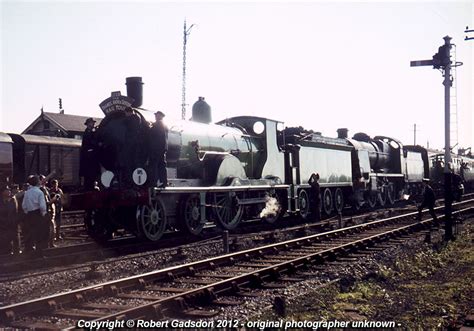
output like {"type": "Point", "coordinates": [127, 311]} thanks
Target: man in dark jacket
{"type": "Point", "coordinates": [315, 188]}
{"type": "Point", "coordinates": [429, 200]}
{"type": "Point", "coordinates": [458, 187]}
{"type": "Point", "coordinates": [158, 146]}
{"type": "Point", "coordinates": [8, 220]}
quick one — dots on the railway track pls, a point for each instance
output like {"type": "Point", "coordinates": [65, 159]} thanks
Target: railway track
{"type": "Point", "coordinates": [61, 258]}
{"type": "Point", "coordinates": [88, 251]}
{"type": "Point", "coordinates": [195, 290]}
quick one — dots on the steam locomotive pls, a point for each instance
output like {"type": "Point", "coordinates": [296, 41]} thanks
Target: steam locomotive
{"type": "Point", "coordinates": [241, 167]}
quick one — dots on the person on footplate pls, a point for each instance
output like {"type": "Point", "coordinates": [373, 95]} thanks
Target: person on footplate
{"type": "Point", "coordinates": [429, 199]}
{"type": "Point", "coordinates": [158, 146]}
{"type": "Point", "coordinates": [315, 188]}
{"type": "Point", "coordinates": [8, 221]}
{"type": "Point", "coordinates": [34, 206]}
{"type": "Point", "coordinates": [88, 165]}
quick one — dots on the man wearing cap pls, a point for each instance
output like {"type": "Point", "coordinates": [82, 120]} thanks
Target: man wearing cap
{"type": "Point", "coordinates": [429, 199]}
{"type": "Point", "coordinates": [158, 144]}
{"type": "Point", "coordinates": [88, 167]}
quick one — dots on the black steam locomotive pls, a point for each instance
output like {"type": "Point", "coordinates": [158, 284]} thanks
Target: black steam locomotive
{"type": "Point", "coordinates": [241, 167]}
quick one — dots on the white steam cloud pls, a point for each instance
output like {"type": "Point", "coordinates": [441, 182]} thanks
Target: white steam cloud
{"type": "Point", "coordinates": [272, 207]}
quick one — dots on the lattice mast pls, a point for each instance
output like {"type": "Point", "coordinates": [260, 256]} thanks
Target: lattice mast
{"type": "Point", "coordinates": [186, 33]}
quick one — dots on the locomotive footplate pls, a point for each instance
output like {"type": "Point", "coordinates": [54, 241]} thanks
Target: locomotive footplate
{"type": "Point", "coordinates": [252, 201]}
{"type": "Point", "coordinates": [155, 191]}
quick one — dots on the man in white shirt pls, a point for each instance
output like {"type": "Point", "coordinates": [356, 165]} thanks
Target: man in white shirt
{"type": "Point", "coordinates": [34, 206]}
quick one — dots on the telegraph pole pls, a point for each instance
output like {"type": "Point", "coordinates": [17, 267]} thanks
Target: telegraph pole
{"type": "Point", "coordinates": [185, 41]}
{"type": "Point", "coordinates": [448, 194]}
{"type": "Point", "coordinates": [442, 61]}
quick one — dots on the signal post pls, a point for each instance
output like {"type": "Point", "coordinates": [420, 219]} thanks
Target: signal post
{"type": "Point", "coordinates": [442, 60]}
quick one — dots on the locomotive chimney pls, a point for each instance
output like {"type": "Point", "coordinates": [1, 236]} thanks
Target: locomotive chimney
{"type": "Point", "coordinates": [135, 90]}
{"type": "Point", "coordinates": [342, 133]}
{"type": "Point", "coordinates": [201, 111]}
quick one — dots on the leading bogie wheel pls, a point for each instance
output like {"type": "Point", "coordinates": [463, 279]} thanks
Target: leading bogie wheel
{"type": "Point", "coordinates": [190, 215]}
{"type": "Point", "coordinates": [227, 210]}
{"type": "Point", "coordinates": [152, 222]}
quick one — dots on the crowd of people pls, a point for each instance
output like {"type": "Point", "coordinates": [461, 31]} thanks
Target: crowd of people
{"type": "Point", "coordinates": [30, 216]}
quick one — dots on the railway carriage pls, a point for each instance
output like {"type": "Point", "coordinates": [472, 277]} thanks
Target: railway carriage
{"type": "Point", "coordinates": [55, 156]}
{"type": "Point", "coordinates": [6, 158]}
{"type": "Point", "coordinates": [23, 154]}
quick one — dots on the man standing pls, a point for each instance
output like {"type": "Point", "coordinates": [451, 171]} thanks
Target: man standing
{"type": "Point", "coordinates": [17, 195]}
{"type": "Point", "coordinates": [88, 166]}
{"type": "Point", "coordinates": [429, 199]}
{"type": "Point", "coordinates": [50, 224]}
{"type": "Point", "coordinates": [315, 188]}
{"type": "Point", "coordinates": [34, 206]}
{"type": "Point", "coordinates": [458, 187]}
{"type": "Point", "coordinates": [158, 146]}
{"type": "Point", "coordinates": [8, 221]}
{"type": "Point", "coordinates": [57, 194]}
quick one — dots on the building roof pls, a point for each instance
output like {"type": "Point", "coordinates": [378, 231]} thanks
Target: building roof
{"type": "Point", "coordinates": [70, 122]}
{"type": "Point", "coordinates": [67, 122]}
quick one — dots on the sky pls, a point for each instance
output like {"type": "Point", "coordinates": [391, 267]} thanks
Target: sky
{"type": "Point", "coordinates": [320, 65]}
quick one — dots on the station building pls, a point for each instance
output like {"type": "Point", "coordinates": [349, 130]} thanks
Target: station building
{"type": "Point", "coordinates": [59, 125]}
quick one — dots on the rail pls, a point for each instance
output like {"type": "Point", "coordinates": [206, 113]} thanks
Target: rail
{"type": "Point", "coordinates": [270, 262]}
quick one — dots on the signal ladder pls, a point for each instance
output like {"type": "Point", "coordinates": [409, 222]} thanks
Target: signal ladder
{"type": "Point", "coordinates": [454, 102]}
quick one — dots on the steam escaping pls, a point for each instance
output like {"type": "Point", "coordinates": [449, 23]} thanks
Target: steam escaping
{"type": "Point", "coordinates": [406, 197]}
{"type": "Point", "coordinates": [272, 208]}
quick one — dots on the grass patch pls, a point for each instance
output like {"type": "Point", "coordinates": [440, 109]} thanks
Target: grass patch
{"type": "Point", "coordinates": [420, 289]}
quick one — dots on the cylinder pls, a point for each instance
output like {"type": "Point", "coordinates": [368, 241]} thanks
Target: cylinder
{"type": "Point", "coordinates": [135, 90]}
